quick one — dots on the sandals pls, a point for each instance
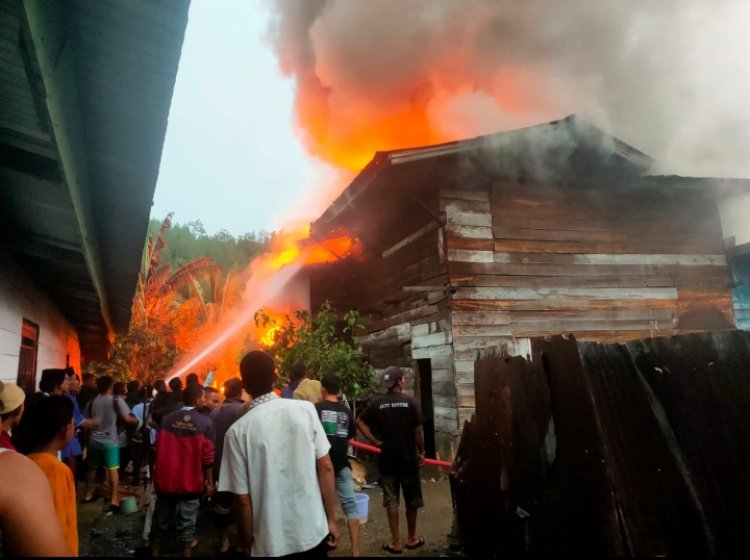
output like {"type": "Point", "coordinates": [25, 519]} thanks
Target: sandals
{"type": "Point", "coordinates": [420, 542]}
{"type": "Point", "coordinates": [91, 499]}
{"type": "Point", "coordinates": [388, 548]}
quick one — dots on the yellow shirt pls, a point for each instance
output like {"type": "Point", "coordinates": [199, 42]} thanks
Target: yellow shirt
{"type": "Point", "coordinates": [308, 390]}
{"type": "Point", "coordinates": [64, 494]}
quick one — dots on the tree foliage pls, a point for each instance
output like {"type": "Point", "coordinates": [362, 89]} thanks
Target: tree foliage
{"type": "Point", "coordinates": [187, 281]}
{"type": "Point", "coordinates": [186, 242]}
{"type": "Point", "coordinates": [144, 353]}
{"type": "Point", "coordinates": [324, 343]}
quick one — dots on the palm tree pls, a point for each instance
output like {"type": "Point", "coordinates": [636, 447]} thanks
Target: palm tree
{"type": "Point", "coordinates": [158, 286]}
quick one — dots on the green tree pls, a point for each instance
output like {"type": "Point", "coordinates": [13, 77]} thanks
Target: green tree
{"type": "Point", "coordinates": [143, 353]}
{"type": "Point", "coordinates": [184, 243]}
{"type": "Point", "coordinates": [324, 342]}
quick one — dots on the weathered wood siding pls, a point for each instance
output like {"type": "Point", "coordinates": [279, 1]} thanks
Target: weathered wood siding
{"type": "Point", "coordinates": [400, 293]}
{"type": "Point", "coordinates": [411, 321]}
{"type": "Point", "coordinates": [601, 262]}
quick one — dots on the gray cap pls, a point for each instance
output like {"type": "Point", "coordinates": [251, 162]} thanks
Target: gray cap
{"type": "Point", "coordinates": [391, 374]}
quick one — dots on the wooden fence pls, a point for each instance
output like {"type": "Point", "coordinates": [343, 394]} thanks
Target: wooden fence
{"type": "Point", "coordinates": [608, 449]}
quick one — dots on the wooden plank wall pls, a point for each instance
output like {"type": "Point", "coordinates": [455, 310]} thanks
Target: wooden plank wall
{"type": "Point", "coordinates": [603, 263]}
{"type": "Point", "coordinates": [406, 312]}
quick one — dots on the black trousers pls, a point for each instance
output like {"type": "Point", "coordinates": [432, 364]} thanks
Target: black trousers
{"type": "Point", "coordinates": [320, 551]}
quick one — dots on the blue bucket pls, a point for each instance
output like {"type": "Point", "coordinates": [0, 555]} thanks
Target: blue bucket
{"type": "Point", "coordinates": [363, 501]}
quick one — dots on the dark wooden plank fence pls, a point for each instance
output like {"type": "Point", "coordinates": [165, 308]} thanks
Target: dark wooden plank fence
{"type": "Point", "coordinates": [607, 449]}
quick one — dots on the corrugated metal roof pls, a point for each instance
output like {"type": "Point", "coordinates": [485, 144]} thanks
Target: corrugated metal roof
{"type": "Point", "coordinates": [116, 63]}
{"type": "Point", "coordinates": [16, 100]}
{"type": "Point", "coordinates": [127, 55]}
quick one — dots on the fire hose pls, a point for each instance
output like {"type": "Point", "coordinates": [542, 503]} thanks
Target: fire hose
{"type": "Point", "coordinates": [373, 449]}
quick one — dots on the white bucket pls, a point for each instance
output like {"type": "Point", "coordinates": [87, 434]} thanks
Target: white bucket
{"type": "Point", "coordinates": [363, 501]}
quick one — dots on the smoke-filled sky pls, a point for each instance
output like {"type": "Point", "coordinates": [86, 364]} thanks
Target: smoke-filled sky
{"type": "Point", "coordinates": [671, 78]}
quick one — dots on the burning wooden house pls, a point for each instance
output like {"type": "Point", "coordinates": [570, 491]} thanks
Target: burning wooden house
{"type": "Point", "coordinates": [556, 228]}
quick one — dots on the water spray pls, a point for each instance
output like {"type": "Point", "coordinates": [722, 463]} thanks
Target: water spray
{"type": "Point", "coordinates": [261, 292]}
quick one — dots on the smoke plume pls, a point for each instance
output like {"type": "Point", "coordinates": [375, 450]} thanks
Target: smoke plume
{"type": "Point", "coordinates": [671, 78]}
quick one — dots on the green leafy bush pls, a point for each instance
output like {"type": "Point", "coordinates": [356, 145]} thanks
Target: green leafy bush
{"type": "Point", "coordinates": [324, 342]}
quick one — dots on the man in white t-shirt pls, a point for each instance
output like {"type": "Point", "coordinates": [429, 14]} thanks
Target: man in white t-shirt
{"type": "Point", "coordinates": [276, 461]}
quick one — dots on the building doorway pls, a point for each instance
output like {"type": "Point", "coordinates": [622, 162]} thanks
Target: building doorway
{"type": "Point", "coordinates": [424, 391]}
{"type": "Point", "coordinates": [27, 356]}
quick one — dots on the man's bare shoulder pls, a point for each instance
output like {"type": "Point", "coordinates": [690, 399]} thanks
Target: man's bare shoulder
{"type": "Point", "coordinates": [19, 468]}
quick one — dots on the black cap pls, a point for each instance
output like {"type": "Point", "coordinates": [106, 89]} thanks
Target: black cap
{"type": "Point", "coordinates": [391, 375]}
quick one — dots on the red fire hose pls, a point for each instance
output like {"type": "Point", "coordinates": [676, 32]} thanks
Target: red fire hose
{"type": "Point", "coordinates": [373, 449]}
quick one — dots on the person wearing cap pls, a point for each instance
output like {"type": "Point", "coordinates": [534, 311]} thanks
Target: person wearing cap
{"type": "Point", "coordinates": [393, 422]}
{"type": "Point", "coordinates": [307, 389]}
{"type": "Point", "coordinates": [12, 399]}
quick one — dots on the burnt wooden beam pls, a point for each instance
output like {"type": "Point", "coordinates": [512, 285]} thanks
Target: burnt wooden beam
{"type": "Point", "coordinates": [410, 238]}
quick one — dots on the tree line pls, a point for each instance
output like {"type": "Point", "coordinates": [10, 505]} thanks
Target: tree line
{"type": "Point", "coordinates": [187, 242]}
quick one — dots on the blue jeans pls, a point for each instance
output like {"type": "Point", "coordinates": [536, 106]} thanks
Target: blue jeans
{"type": "Point", "coordinates": [164, 512]}
{"type": "Point", "coordinates": [345, 490]}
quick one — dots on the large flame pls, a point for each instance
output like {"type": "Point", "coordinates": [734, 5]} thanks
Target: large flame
{"type": "Point", "coordinates": [296, 246]}
{"type": "Point", "coordinates": [389, 74]}
{"type": "Point", "coordinates": [266, 333]}
{"type": "Point", "coordinates": [352, 146]}
{"type": "Point", "coordinates": [220, 345]}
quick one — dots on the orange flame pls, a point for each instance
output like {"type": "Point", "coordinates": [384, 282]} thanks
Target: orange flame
{"type": "Point", "coordinates": [353, 146]}
{"type": "Point", "coordinates": [296, 246]}
{"type": "Point", "coordinates": [268, 337]}
{"type": "Point", "coordinates": [219, 346]}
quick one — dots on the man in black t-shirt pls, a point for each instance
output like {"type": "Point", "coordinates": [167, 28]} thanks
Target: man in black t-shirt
{"type": "Point", "coordinates": [339, 427]}
{"type": "Point", "coordinates": [393, 422]}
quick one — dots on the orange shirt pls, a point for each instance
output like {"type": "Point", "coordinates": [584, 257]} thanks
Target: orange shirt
{"type": "Point", "coordinates": [64, 494]}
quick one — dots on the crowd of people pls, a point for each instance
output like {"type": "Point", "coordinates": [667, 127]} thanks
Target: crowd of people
{"type": "Point", "coordinates": [274, 463]}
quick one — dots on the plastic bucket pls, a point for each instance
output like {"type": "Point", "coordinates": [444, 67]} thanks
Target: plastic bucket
{"type": "Point", "coordinates": [129, 504]}
{"type": "Point", "coordinates": [363, 502]}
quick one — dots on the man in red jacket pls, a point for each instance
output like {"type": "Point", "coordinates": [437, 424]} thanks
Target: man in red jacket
{"type": "Point", "coordinates": [183, 470]}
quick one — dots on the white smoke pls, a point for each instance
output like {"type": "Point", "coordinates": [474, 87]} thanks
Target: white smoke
{"type": "Point", "coordinates": [670, 77]}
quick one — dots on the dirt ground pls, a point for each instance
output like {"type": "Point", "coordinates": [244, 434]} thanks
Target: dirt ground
{"type": "Point", "coordinates": [121, 535]}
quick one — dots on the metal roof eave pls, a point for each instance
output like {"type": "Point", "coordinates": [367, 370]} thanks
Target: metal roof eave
{"type": "Point", "coordinates": [81, 139]}
{"type": "Point", "coordinates": [53, 59]}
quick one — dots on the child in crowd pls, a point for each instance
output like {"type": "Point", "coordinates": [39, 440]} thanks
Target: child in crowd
{"type": "Point", "coordinates": [45, 428]}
